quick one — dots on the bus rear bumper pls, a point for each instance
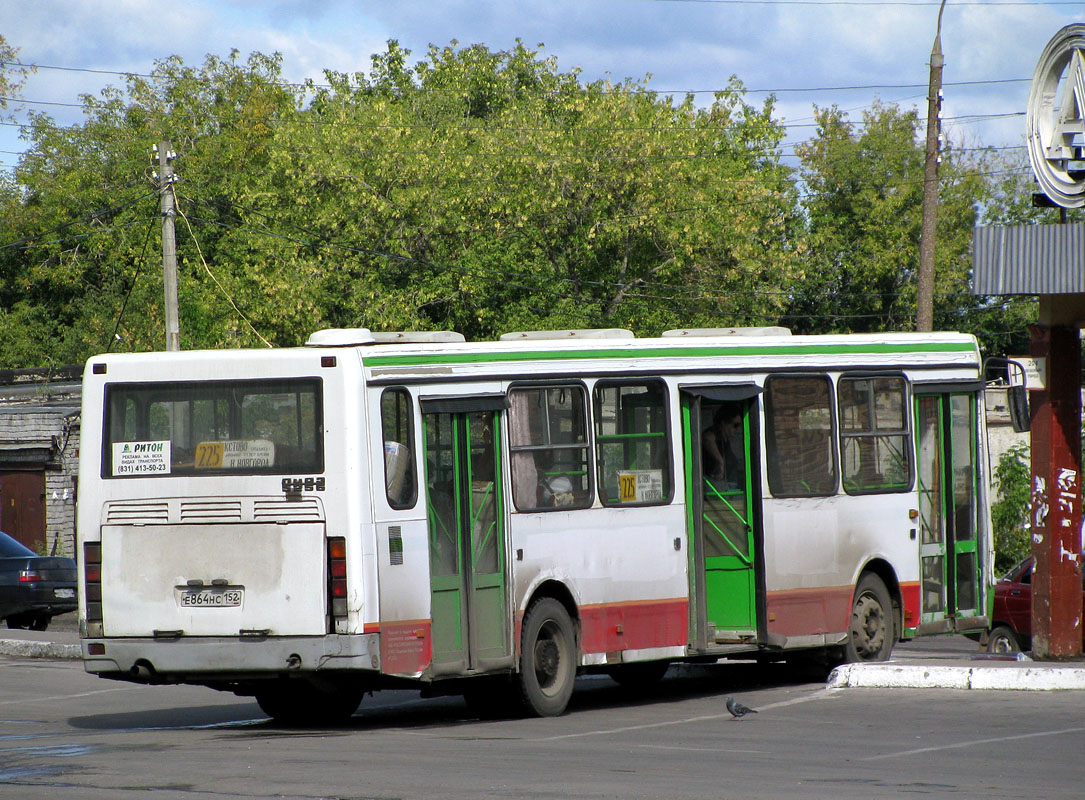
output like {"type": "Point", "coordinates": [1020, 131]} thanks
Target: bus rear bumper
{"type": "Point", "coordinates": [198, 659]}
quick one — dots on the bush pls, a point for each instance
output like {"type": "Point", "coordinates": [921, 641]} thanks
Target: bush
{"type": "Point", "coordinates": [1010, 513]}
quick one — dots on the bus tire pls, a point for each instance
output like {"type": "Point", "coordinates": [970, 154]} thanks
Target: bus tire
{"type": "Point", "coordinates": [300, 704]}
{"type": "Point", "coordinates": [548, 658]}
{"type": "Point", "coordinates": [870, 635]}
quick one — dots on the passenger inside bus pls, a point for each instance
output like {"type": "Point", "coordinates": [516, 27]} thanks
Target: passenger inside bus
{"type": "Point", "coordinates": [720, 443]}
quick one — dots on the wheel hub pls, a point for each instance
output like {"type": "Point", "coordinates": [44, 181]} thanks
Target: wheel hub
{"type": "Point", "coordinates": [870, 627]}
{"type": "Point", "coordinates": [546, 659]}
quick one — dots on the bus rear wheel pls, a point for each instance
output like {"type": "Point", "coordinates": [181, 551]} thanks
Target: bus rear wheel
{"type": "Point", "coordinates": [547, 658]}
{"type": "Point", "coordinates": [300, 704]}
{"type": "Point", "coordinates": [870, 636]}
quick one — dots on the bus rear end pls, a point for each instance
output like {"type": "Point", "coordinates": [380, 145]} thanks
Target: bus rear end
{"type": "Point", "coordinates": [207, 553]}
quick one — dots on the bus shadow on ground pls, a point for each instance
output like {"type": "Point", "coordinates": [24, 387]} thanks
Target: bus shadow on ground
{"type": "Point", "coordinates": [408, 709]}
{"type": "Point", "coordinates": [226, 715]}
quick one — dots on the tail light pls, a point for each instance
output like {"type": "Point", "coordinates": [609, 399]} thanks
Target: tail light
{"type": "Point", "coordinates": [29, 576]}
{"type": "Point", "coordinates": [92, 580]}
{"type": "Point", "coordinates": [337, 576]}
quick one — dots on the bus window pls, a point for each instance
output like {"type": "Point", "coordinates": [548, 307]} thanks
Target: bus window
{"type": "Point", "coordinates": [549, 447]}
{"type": "Point", "coordinates": [633, 449]}
{"type": "Point", "coordinates": [213, 428]}
{"type": "Point", "coordinates": [397, 424]}
{"type": "Point", "coordinates": [801, 459]}
{"type": "Point", "coordinates": [875, 444]}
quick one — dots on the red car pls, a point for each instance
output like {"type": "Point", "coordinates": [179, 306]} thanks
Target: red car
{"type": "Point", "coordinates": [1011, 625]}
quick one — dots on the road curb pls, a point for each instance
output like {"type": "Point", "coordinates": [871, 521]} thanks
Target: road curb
{"type": "Point", "coordinates": [20, 648]}
{"type": "Point", "coordinates": [900, 676]}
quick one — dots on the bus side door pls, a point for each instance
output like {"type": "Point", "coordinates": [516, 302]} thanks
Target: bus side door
{"type": "Point", "coordinates": [948, 510]}
{"type": "Point", "coordinates": [723, 509]}
{"type": "Point", "coordinates": [471, 620]}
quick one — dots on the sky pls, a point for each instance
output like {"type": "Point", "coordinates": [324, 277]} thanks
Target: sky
{"type": "Point", "coordinates": [847, 53]}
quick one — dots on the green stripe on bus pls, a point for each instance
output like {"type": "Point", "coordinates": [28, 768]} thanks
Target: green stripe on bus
{"type": "Point", "coordinates": [427, 359]}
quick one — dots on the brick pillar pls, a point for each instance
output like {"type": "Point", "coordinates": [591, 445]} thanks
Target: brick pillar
{"type": "Point", "coordinates": [1056, 495]}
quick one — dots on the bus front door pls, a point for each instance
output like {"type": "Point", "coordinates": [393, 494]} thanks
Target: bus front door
{"type": "Point", "coordinates": [465, 511]}
{"type": "Point", "coordinates": [721, 505]}
{"type": "Point", "coordinates": [948, 510]}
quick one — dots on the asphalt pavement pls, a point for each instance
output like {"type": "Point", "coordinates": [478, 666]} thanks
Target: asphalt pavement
{"type": "Point", "coordinates": [934, 662]}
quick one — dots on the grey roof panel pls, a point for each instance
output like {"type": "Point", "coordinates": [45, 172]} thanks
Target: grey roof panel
{"type": "Point", "coordinates": [1028, 259]}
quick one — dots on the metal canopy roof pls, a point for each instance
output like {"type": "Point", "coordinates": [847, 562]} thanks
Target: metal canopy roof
{"type": "Point", "coordinates": [1028, 259]}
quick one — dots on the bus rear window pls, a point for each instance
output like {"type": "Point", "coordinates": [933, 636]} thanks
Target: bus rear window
{"type": "Point", "coordinates": [213, 428]}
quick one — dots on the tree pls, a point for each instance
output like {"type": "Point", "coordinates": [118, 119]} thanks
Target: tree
{"type": "Point", "coordinates": [13, 76]}
{"type": "Point", "coordinates": [1010, 512]}
{"type": "Point", "coordinates": [486, 191]}
{"type": "Point", "coordinates": [83, 273]}
{"type": "Point", "coordinates": [864, 192]}
{"type": "Point", "coordinates": [476, 190]}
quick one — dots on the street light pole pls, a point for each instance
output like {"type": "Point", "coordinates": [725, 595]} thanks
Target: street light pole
{"type": "Point", "coordinates": [924, 320]}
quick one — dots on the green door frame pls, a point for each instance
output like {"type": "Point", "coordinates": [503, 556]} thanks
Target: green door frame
{"type": "Point", "coordinates": [946, 455]}
{"type": "Point", "coordinates": [471, 619]}
{"type": "Point", "coordinates": [724, 532]}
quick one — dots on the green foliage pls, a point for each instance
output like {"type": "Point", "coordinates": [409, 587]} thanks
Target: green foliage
{"type": "Point", "coordinates": [864, 209]}
{"type": "Point", "coordinates": [479, 191]}
{"type": "Point", "coordinates": [475, 190]}
{"type": "Point", "coordinates": [1010, 513]}
{"type": "Point", "coordinates": [12, 77]}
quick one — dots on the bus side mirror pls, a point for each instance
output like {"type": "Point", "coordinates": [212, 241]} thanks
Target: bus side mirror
{"type": "Point", "coordinates": [1017, 397]}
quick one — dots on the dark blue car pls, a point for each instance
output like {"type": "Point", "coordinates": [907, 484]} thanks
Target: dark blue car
{"type": "Point", "coordinates": [33, 588]}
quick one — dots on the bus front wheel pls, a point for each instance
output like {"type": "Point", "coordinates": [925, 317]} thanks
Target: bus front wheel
{"type": "Point", "coordinates": [870, 636]}
{"type": "Point", "coordinates": [547, 658]}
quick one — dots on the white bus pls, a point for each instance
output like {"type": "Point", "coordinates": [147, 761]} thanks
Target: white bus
{"type": "Point", "coordinates": [379, 510]}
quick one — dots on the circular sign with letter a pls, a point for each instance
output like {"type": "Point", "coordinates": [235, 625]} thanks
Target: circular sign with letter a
{"type": "Point", "coordinates": [1056, 118]}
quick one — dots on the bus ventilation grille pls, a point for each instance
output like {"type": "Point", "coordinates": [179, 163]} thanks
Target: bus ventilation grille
{"type": "Point", "coordinates": [305, 510]}
{"type": "Point", "coordinates": [395, 545]}
{"type": "Point", "coordinates": [214, 511]}
{"type": "Point", "coordinates": [136, 513]}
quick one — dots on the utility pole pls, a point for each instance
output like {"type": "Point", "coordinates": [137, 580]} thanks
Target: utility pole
{"type": "Point", "coordinates": [169, 244]}
{"type": "Point", "coordinates": [924, 318]}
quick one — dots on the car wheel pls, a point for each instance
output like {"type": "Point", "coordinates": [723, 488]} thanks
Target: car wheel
{"type": "Point", "coordinates": [1002, 639]}
{"type": "Point", "coordinates": [38, 623]}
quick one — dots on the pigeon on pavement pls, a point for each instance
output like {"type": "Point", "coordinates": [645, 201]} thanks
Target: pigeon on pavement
{"type": "Point", "coordinates": [737, 709]}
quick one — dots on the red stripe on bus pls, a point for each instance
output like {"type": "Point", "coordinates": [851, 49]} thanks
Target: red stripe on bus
{"type": "Point", "coordinates": [802, 612]}
{"type": "Point", "coordinates": [406, 646]}
{"type": "Point", "coordinates": [636, 625]}
{"type": "Point", "coordinates": [909, 595]}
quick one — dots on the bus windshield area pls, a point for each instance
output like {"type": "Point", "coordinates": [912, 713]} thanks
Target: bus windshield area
{"type": "Point", "coordinates": [213, 428]}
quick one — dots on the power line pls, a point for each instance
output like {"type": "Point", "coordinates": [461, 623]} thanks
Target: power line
{"type": "Point", "coordinates": [876, 3]}
{"type": "Point", "coordinates": [618, 87]}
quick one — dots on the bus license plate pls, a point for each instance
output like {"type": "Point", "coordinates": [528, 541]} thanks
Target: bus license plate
{"type": "Point", "coordinates": [212, 598]}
